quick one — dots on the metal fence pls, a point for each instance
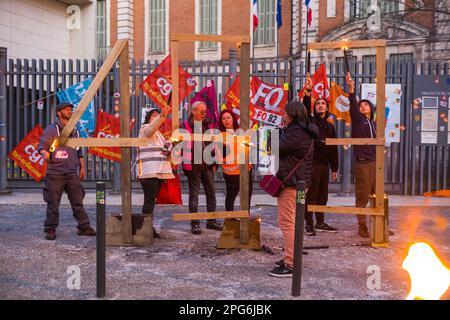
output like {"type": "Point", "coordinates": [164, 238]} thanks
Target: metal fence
{"type": "Point", "coordinates": [408, 170]}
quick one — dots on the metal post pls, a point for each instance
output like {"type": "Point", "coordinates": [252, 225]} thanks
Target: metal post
{"type": "Point", "coordinates": [233, 65]}
{"type": "Point", "coordinates": [116, 187]}
{"type": "Point", "coordinates": [347, 160]}
{"type": "Point", "coordinates": [346, 166]}
{"type": "Point", "coordinates": [298, 239]}
{"type": "Point", "coordinates": [101, 240]}
{"type": "Point", "coordinates": [3, 124]}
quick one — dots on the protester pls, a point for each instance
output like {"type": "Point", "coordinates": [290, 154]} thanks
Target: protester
{"type": "Point", "coordinates": [197, 170]}
{"type": "Point", "coordinates": [231, 172]}
{"type": "Point", "coordinates": [153, 164]}
{"type": "Point", "coordinates": [296, 148]}
{"type": "Point", "coordinates": [363, 126]}
{"type": "Point", "coordinates": [325, 157]}
{"type": "Point", "coordinates": [62, 175]}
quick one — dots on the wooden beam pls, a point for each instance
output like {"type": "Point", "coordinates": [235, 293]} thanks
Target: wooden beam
{"type": "Point", "coordinates": [210, 215]}
{"type": "Point", "coordinates": [175, 84]}
{"type": "Point", "coordinates": [107, 142]}
{"type": "Point", "coordinates": [209, 38]}
{"type": "Point", "coordinates": [244, 122]}
{"type": "Point", "coordinates": [125, 164]}
{"type": "Point", "coordinates": [349, 44]}
{"type": "Point", "coordinates": [348, 210]}
{"type": "Point", "coordinates": [355, 141]}
{"type": "Point", "coordinates": [380, 230]}
{"type": "Point", "coordinates": [96, 83]}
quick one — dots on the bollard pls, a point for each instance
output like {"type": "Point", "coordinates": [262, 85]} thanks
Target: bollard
{"type": "Point", "coordinates": [298, 239]}
{"type": "Point", "coordinates": [101, 240]}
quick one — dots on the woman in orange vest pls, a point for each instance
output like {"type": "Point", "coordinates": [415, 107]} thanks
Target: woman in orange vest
{"type": "Point", "coordinates": [231, 173]}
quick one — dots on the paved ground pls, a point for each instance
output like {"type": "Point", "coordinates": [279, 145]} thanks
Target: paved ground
{"type": "Point", "coordinates": [184, 266]}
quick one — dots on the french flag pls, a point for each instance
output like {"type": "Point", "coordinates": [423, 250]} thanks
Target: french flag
{"type": "Point", "coordinates": [255, 14]}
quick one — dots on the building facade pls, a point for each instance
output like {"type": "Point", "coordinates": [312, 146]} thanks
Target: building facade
{"type": "Point", "coordinates": [49, 29]}
{"type": "Point", "coordinates": [415, 30]}
{"type": "Point", "coordinates": [149, 23]}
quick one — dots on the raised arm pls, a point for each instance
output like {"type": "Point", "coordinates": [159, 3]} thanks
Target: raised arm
{"type": "Point", "coordinates": [355, 115]}
{"type": "Point", "coordinates": [307, 96]}
{"type": "Point", "coordinates": [150, 129]}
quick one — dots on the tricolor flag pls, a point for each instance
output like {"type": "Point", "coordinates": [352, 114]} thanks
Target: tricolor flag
{"type": "Point", "coordinates": [255, 14]}
{"type": "Point", "coordinates": [308, 13]}
{"type": "Point", "coordinates": [279, 17]}
{"type": "Point", "coordinates": [309, 17]}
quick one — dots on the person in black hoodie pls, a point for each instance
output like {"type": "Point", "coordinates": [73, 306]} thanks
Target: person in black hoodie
{"type": "Point", "coordinates": [324, 158]}
{"type": "Point", "coordinates": [296, 144]}
{"type": "Point", "coordinates": [363, 126]}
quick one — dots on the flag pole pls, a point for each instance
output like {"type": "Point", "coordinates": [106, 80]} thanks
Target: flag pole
{"type": "Point", "coordinates": [306, 41]}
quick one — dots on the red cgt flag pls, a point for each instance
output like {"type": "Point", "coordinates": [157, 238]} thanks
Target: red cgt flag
{"type": "Point", "coordinates": [108, 126]}
{"type": "Point", "coordinates": [158, 85]}
{"type": "Point", "coordinates": [26, 154]}
{"type": "Point", "coordinates": [320, 84]}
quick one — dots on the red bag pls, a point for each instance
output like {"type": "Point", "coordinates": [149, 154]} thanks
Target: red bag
{"type": "Point", "coordinates": [170, 192]}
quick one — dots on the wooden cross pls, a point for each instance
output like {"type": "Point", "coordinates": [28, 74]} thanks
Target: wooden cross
{"type": "Point", "coordinates": [120, 51]}
{"type": "Point", "coordinates": [381, 234]}
{"type": "Point", "coordinates": [244, 43]}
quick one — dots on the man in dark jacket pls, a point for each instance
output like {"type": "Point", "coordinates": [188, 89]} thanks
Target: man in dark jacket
{"type": "Point", "coordinates": [324, 158]}
{"type": "Point", "coordinates": [363, 126]}
{"type": "Point", "coordinates": [196, 170]}
{"type": "Point", "coordinates": [62, 175]}
{"type": "Point", "coordinates": [296, 147]}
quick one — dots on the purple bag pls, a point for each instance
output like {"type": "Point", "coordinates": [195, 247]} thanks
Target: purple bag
{"type": "Point", "coordinates": [272, 185]}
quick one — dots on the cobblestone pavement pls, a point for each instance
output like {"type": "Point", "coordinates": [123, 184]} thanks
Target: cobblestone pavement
{"type": "Point", "coordinates": [185, 266]}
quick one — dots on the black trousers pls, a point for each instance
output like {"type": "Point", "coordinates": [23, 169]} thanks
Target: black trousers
{"type": "Point", "coordinates": [232, 183]}
{"type": "Point", "coordinates": [54, 185]}
{"type": "Point", "coordinates": [151, 187]}
{"type": "Point", "coordinates": [317, 192]}
{"type": "Point", "coordinates": [206, 177]}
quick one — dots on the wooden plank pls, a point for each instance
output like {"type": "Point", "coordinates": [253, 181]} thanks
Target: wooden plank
{"type": "Point", "coordinates": [125, 164]}
{"type": "Point", "coordinates": [107, 142]}
{"type": "Point", "coordinates": [138, 142]}
{"type": "Point", "coordinates": [209, 38]}
{"type": "Point", "coordinates": [347, 210]}
{"type": "Point", "coordinates": [210, 215]}
{"type": "Point", "coordinates": [175, 84]}
{"type": "Point", "coordinates": [96, 83]}
{"type": "Point", "coordinates": [380, 231]}
{"type": "Point", "coordinates": [349, 44]}
{"type": "Point", "coordinates": [355, 141]}
{"type": "Point", "coordinates": [244, 122]}
{"type": "Point", "coordinates": [177, 136]}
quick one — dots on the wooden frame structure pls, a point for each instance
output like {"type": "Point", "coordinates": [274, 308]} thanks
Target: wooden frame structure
{"type": "Point", "coordinates": [379, 234]}
{"type": "Point", "coordinates": [120, 51]}
{"type": "Point", "coordinates": [243, 43]}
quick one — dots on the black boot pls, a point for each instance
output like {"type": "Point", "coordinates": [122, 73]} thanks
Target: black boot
{"type": "Point", "coordinates": [213, 224]}
{"type": "Point", "coordinates": [155, 234]}
{"type": "Point", "coordinates": [195, 228]}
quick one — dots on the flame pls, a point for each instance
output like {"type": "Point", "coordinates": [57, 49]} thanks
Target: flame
{"type": "Point", "coordinates": [344, 47]}
{"type": "Point", "coordinates": [54, 145]}
{"type": "Point", "coordinates": [430, 279]}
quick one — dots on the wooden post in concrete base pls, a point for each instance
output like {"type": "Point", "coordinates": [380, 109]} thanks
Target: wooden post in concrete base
{"type": "Point", "coordinates": [379, 222]}
{"type": "Point", "coordinates": [125, 164]}
{"type": "Point", "coordinates": [244, 119]}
